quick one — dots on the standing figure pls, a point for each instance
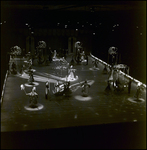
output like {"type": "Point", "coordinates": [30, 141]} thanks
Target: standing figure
{"type": "Point", "coordinates": [72, 62]}
{"type": "Point", "coordinates": [83, 56]}
{"type": "Point", "coordinates": [78, 56]}
{"type": "Point", "coordinates": [140, 88]}
{"type": "Point", "coordinates": [64, 53]}
{"type": "Point", "coordinates": [86, 57]}
{"type": "Point", "coordinates": [57, 87]}
{"type": "Point", "coordinates": [31, 79]}
{"type": "Point", "coordinates": [50, 54]}
{"type": "Point", "coordinates": [33, 98]}
{"type": "Point", "coordinates": [13, 68]}
{"type": "Point", "coordinates": [105, 70]}
{"type": "Point", "coordinates": [117, 85]}
{"type": "Point", "coordinates": [108, 88]}
{"type": "Point", "coordinates": [71, 75]}
{"type": "Point", "coordinates": [67, 91]}
{"type": "Point", "coordinates": [22, 69]}
{"type": "Point", "coordinates": [47, 89]}
{"type": "Point", "coordinates": [95, 64]}
{"type": "Point", "coordinates": [85, 88]}
{"type": "Point", "coordinates": [55, 54]}
{"type": "Point", "coordinates": [129, 86]}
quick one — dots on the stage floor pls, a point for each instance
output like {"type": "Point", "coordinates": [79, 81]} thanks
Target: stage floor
{"type": "Point", "coordinates": [59, 111]}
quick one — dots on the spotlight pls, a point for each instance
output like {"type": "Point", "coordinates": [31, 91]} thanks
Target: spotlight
{"type": "Point", "coordinates": [1, 23]}
{"type": "Point", "coordinates": [76, 29]}
{"type": "Point", "coordinates": [26, 24]}
{"type": "Point", "coordinates": [65, 26]}
{"type": "Point", "coordinates": [93, 33]}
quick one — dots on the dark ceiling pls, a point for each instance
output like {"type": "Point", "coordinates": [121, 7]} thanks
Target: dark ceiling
{"type": "Point", "coordinates": [44, 12]}
{"type": "Point", "coordinates": [82, 6]}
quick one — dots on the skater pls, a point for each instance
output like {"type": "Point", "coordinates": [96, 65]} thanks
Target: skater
{"type": "Point", "coordinates": [85, 88]}
{"type": "Point", "coordinates": [67, 91]}
{"type": "Point", "coordinates": [13, 69]}
{"type": "Point", "coordinates": [31, 79]}
{"type": "Point", "coordinates": [33, 98]}
{"type": "Point", "coordinates": [47, 89]}
{"type": "Point", "coordinates": [129, 86]}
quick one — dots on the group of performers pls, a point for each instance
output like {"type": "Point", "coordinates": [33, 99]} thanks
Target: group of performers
{"type": "Point", "coordinates": [63, 88]}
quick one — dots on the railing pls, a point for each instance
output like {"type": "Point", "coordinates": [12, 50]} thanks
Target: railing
{"type": "Point", "coordinates": [3, 90]}
{"type": "Point", "coordinates": [126, 75]}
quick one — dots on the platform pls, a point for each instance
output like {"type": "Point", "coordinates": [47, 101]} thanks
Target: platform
{"type": "Point", "coordinates": [99, 108]}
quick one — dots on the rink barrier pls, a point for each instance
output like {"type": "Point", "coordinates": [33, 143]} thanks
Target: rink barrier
{"type": "Point", "coordinates": [126, 75]}
{"type": "Point", "coordinates": [3, 90]}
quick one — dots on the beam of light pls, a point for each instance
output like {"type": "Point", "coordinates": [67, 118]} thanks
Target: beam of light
{"type": "Point", "coordinates": [31, 85]}
{"type": "Point", "coordinates": [39, 107]}
{"type": "Point", "coordinates": [81, 98]}
{"type": "Point", "coordinates": [133, 100]}
{"type": "Point", "coordinates": [37, 78]}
